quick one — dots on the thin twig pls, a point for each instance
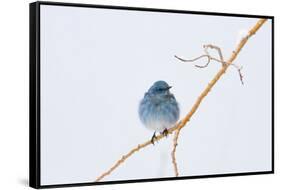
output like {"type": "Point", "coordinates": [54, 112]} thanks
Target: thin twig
{"type": "Point", "coordinates": [173, 153]}
{"type": "Point", "coordinates": [184, 121]}
{"type": "Point", "coordinates": [192, 60]}
{"type": "Point", "coordinates": [239, 72]}
{"type": "Point", "coordinates": [218, 50]}
{"type": "Point", "coordinates": [207, 55]}
{"type": "Point", "coordinates": [209, 58]}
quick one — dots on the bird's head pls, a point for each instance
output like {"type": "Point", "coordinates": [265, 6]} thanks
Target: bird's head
{"type": "Point", "coordinates": [159, 88]}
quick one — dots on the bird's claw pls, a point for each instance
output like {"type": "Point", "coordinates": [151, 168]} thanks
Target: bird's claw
{"type": "Point", "coordinates": [165, 133]}
{"type": "Point", "coordinates": [153, 138]}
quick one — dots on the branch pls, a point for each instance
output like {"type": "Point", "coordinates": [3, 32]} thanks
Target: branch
{"type": "Point", "coordinates": [184, 121]}
{"type": "Point", "coordinates": [218, 50]}
{"type": "Point", "coordinates": [243, 41]}
{"type": "Point", "coordinates": [209, 59]}
{"type": "Point", "coordinates": [173, 153]}
{"type": "Point", "coordinates": [207, 55]}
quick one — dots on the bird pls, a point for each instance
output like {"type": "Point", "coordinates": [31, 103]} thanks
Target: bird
{"type": "Point", "coordinates": [159, 110]}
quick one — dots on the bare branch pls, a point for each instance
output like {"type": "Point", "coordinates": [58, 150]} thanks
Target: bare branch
{"type": "Point", "coordinates": [173, 153]}
{"type": "Point", "coordinates": [194, 108]}
{"type": "Point", "coordinates": [218, 50]}
{"type": "Point", "coordinates": [195, 59]}
{"type": "Point", "coordinates": [214, 80]}
{"type": "Point", "coordinates": [207, 55]}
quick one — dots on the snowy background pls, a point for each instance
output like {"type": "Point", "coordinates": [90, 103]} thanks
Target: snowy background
{"type": "Point", "coordinates": [96, 65]}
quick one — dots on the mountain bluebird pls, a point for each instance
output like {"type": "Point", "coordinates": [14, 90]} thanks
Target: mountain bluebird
{"type": "Point", "coordinates": [159, 110]}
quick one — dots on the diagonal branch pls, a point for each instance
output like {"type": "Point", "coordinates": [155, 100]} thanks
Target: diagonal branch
{"type": "Point", "coordinates": [223, 69]}
{"type": "Point", "coordinates": [184, 121]}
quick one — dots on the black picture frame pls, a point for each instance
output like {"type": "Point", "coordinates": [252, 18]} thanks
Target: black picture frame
{"type": "Point", "coordinates": [34, 119]}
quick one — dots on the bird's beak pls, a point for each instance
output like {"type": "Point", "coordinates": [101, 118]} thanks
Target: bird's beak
{"type": "Point", "coordinates": [169, 87]}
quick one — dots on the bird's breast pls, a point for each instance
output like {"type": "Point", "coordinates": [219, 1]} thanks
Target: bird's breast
{"type": "Point", "coordinates": [158, 112]}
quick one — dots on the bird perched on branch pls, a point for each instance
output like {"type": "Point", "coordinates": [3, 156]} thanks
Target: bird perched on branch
{"type": "Point", "coordinates": [159, 110]}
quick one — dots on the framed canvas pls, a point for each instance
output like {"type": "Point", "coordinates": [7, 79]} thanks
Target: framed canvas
{"type": "Point", "coordinates": [126, 94]}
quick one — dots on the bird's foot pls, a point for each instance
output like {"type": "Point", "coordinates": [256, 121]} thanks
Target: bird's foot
{"type": "Point", "coordinates": [165, 132]}
{"type": "Point", "coordinates": [153, 138]}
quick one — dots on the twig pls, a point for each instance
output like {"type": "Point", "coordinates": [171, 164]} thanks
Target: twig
{"type": "Point", "coordinates": [183, 122]}
{"type": "Point", "coordinates": [239, 72]}
{"type": "Point", "coordinates": [195, 59]}
{"type": "Point", "coordinates": [210, 58]}
{"type": "Point", "coordinates": [218, 50]}
{"type": "Point", "coordinates": [173, 153]}
{"type": "Point", "coordinates": [207, 55]}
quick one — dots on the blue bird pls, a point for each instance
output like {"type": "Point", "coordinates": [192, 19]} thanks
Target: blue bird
{"type": "Point", "coordinates": [159, 110]}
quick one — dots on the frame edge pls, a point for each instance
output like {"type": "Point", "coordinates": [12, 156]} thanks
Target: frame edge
{"type": "Point", "coordinates": [34, 130]}
{"type": "Point", "coordinates": [34, 96]}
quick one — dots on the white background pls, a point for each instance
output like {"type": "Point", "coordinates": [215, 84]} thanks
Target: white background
{"type": "Point", "coordinates": [14, 96]}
